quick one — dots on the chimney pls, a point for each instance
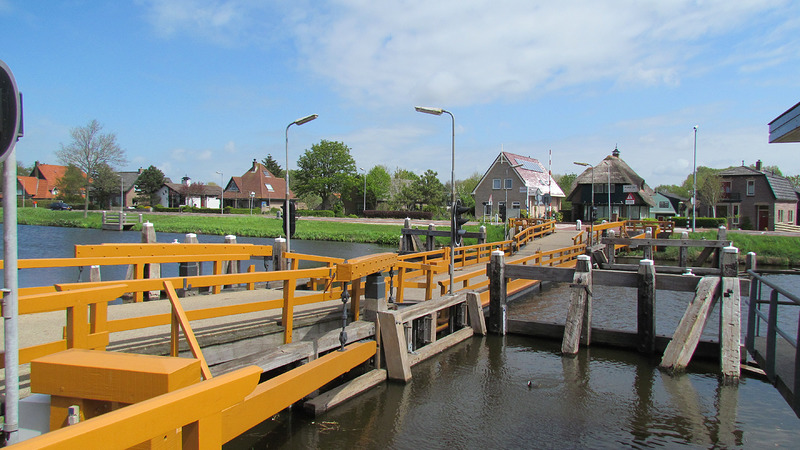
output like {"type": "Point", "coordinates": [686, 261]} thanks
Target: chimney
{"type": "Point", "coordinates": [758, 165]}
{"type": "Point", "coordinates": [255, 166]}
{"type": "Point", "coordinates": [615, 153]}
{"type": "Point", "coordinates": [140, 170]}
{"type": "Point", "coordinates": [186, 181]}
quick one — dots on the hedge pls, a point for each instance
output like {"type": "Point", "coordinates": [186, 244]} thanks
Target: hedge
{"type": "Point", "coordinates": [315, 213]}
{"type": "Point", "coordinates": [423, 215]}
{"type": "Point", "coordinates": [700, 222]}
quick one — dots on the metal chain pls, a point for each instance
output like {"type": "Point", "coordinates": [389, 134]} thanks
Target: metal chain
{"type": "Point", "coordinates": [343, 334]}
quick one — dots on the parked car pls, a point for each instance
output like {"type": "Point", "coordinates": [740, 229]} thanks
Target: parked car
{"type": "Point", "coordinates": [60, 206]}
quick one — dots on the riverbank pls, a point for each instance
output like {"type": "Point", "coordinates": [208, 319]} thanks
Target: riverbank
{"type": "Point", "coordinates": [344, 230]}
{"type": "Point", "coordinates": [772, 249]}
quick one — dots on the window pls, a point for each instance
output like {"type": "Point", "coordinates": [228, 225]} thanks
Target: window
{"type": "Point", "coordinates": [751, 188]}
{"type": "Point", "coordinates": [496, 183]}
{"type": "Point", "coordinates": [515, 205]}
{"type": "Point", "coordinates": [780, 215]}
{"type": "Point", "coordinates": [791, 216]}
{"type": "Point", "coordinates": [509, 183]}
{"type": "Point", "coordinates": [663, 205]}
{"type": "Point", "coordinates": [736, 214]}
{"type": "Point", "coordinates": [269, 187]}
{"type": "Point", "coordinates": [726, 189]}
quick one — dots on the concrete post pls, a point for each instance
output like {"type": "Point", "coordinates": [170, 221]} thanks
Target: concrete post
{"type": "Point", "coordinates": [683, 251]}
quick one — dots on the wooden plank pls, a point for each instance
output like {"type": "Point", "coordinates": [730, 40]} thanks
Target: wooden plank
{"type": "Point", "coordinates": [433, 349]}
{"type": "Point", "coordinates": [428, 307]}
{"type": "Point", "coordinates": [344, 392]}
{"type": "Point", "coordinates": [475, 311]}
{"type": "Point", "coordinates": [539, 273]}
{"type": "Point", "coordinates": [393, 342]}
{"type": "Point", "coordinates": [690, 328]}
{"type": "Point", "coordinates": [634, 242]}
{"type": "Point", "coordinates": [272, 359]}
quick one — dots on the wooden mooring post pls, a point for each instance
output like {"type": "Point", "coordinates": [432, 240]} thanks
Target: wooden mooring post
{"type": "Point", "coordinates": [498, 309]}
{"type": "Point", "coordinates": [646, 306]}
{"type": "Point", "coordinates": [579, 315]}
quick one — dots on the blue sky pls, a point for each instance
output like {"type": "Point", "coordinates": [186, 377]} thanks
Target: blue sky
{"type": "Point", "coordinates": [199, 86]}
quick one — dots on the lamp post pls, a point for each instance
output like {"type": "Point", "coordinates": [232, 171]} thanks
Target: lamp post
{"type": "Point", "coordinates": [591, 222]}
{"type": "Point", "coordinates": [297, 122]}
{"type": "Point", "coordinates": [694, 179]}
{"type": "Point", "coordinates": [121, 192]}
{"type": "Point", "coordinates": [363, 211]}
{"type": "Point", "coordinates": [439, 112]}
{"type": "Point", "coordinates": [252, 196]}
{"type": "Point", "coordinates": [222, 192]}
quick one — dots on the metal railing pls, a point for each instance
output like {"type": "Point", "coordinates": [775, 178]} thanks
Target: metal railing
{"type": "Point", "coordinates": [756, 315]}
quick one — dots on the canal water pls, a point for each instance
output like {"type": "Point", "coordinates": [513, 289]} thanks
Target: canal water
{"type": "Point", "coordinates": [509, 392]}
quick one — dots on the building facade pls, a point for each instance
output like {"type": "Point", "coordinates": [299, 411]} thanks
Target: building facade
{"type": "Point", "coordinates": [755, 199]}
{"type": "Point", "coordinates": [520, 183]}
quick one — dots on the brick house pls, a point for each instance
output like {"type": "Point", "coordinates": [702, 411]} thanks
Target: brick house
{"type": "Point", "coordinates": [523, 182]}
{"type": "Point", "coordinates": [41, 183]}
{"type": "Point", "coordinates": [756, 199]}
{"type": "Point", "coordinates": [259, 185]}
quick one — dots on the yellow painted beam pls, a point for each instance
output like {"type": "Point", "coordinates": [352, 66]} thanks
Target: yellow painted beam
{"type": "Point", "coordinates": [180, 315]}
{"type": "Point", "coordinates": [43, 263]}
{"type": "Point", "coordinates": [276, 394]}
{"type": "Point", "coordinates": [142, 421]}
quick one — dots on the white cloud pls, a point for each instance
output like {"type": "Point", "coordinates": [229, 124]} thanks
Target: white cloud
{"type": "Point", "coordinates": [464, 52]}
{"type": "Point", "coordinates": [230, 147]}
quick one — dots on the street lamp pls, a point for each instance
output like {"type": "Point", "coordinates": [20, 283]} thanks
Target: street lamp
{"type": "Point", "coordinates": [222, 191]}
{"type": "Point", "coordinates": [121, 192]}
{"type": "Point", "coordinates": [252, 196]}
{"type": "Point", "coordinates": [694, 179]}
{"type": "Point", "coordinates": [363, 211]}
{"type": "Point", "coordinates": [438, 112]}
{"type": "Point", "coordinates": [297, 122]}
{"type": "Point", "coordinates": [591, 222]}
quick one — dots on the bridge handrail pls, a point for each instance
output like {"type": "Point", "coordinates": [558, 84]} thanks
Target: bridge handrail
{"type": "Point", "coordinates": [772, 323]}
{"type": "Point", "coordinates": [93, 331]}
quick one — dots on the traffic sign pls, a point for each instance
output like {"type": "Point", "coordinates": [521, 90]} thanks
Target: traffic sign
{"type": "Point", "coordinates": [10, 111]}
{"type": "Point", "coordinates": [629, 200]}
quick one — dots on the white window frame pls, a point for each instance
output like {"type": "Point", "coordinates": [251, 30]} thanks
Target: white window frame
{"type": "Point", "coordinates": [751, 188]}
{"type": "Point", "coordinates": [497, 183]}
{"type": "Point", "coordinates": [509, 183]}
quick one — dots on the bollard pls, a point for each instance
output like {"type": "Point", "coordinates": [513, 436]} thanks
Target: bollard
{"type": "Point", "coordinates": [683, 251]}
{"type": "Point", "coordinates": [189, 269]}
{"type": "Point", "coordinates": [646, 307]}
{"type": "Point", "coordinates": [498, 309]}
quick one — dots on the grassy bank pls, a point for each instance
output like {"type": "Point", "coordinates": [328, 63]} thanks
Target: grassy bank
{"type": "Point", "coordinates": [771, 250]}
{"type": "Point", "coordinates": [239, 225]}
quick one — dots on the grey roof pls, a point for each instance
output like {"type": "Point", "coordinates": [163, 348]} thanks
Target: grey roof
{"type": "Point", "coordinates": [781, 188]}
{"type": "Point", "coordinates": [621, 173]}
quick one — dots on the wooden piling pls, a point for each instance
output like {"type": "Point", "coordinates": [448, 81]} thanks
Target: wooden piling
{"type": "Point", "coordinates": [646, 307]}
{"type": "Point", "coordinates": [683, 251]}
{"type": "Point", "coordinates": [611, 253]}
{"type": "Point", "coordinates": [189, 269]}
{"type": "Point", "coordinates": [580, 299]}
{"type": "Point", "coordinates": [731, 320]}
{"type": "Point", "coordinates": [648, 250]}
{"type": "Point", "coordinates": [498, 309]}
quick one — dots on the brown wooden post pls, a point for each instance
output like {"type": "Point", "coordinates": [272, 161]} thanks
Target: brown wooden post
{"type": "Point", "coordinates": [730, 321]}
{"type": "Point", "coordinates": [406, 244]}
{"type": "Point", "coordinates": [648, 249]}
{"type": "Point", "coordinates": [498, 309]}
{"type": "Point", "coordinates": [611, 253]}
{"type": "Point", "coordinates": [430, 239]}
{"type": "Point", "coordinates": [722, 234]}
{"type": "Point", "coordinates": [646, 307]}
{"type": "Point", "coordinates": [683, 251]}
{"type": "Point", "coordinates": [579, 298]}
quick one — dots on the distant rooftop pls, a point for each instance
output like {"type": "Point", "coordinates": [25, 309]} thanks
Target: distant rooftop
{"type": "Point", "coordinates": [786, 127]}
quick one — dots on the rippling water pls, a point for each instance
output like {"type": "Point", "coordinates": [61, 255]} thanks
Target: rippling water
{"type": "Point", "coordinates": [476, 395]}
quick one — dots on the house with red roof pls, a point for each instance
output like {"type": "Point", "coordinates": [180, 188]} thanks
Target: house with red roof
{"type": "Point", "coordinates": [258, 185]}
{"type": "Point", "coordinates": [41, 183]}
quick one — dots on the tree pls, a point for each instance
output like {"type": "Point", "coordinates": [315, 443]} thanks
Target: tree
{"type": "Point", "coordinates": [105, 185]}
{"type": "Point", "coordinates": [565, 182]}
{"type": "Point", "coordinates": [378, 184]}
{"type": "Point", "coordinates": [70, 185]}
{"type": "Point", "coordinates": [464, 189]}
{"type": "Point", "coordinates": [326, 169]}
{"type": "Point", "coordinates": [88, 150]}
{"type": "Point", "coordinates": [273, 166]}
{"type": "Point", "coordinates": [795, 180]}
{"type": "Point", "coordinates": [709, 190]}
{"type": "Point", "coordinates": [149, 182]}
{"type": "Point", "coordinates": [432, 192]}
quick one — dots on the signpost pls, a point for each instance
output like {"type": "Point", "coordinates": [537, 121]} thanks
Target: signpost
{"type": "Point", "coordinates": [10, 132]}
{"type": "Point", "coordinates": [630, 200]}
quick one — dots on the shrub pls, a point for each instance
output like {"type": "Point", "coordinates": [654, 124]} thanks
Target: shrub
{"type": "Point", "coordinates": [423, 215]}
{"type": "Point", "coordinates": [700, 222]}
{"type": "Point", "coordinates": [315, 213]}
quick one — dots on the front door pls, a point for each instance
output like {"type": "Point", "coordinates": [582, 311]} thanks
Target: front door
{"type": "Point", "coordinates": [763, 218]}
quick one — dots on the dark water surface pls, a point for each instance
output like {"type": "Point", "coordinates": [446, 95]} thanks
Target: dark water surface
{"type": "Point", "coordinates": [476, 395]}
